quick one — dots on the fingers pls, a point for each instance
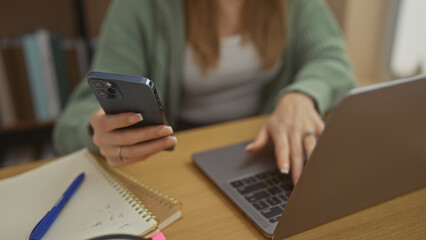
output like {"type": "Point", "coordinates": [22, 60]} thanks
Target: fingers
{"type": "Point", "coordinates": [132, 144]}
{"type": "Point", "coordinates": [293, 117]}
{"type": "Point", "coordinates": [132, 136]}
{"type": "Point", "coordinates": [103, 122]}
{"type": "Point", "coordinates": [290, 145]}
{"type": "Point", "coordinates": [309, 143]}
{"type": "Point", "coordinates": [282, 153]}
{"type": "Point", "coordinates": [259, 142]}
{"type": "Point", "coordinates": [319, 128]}
{"type": "Point", "coordinates": [296, 153]}
{"type": "Point", "coordinates": [137, 152]}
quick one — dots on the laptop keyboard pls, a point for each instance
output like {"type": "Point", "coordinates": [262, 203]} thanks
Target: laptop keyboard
{"type": "Point", "coordinates": [267, 192]}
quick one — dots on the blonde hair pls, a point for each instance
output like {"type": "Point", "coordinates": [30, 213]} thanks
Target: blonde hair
{"type": "Point", "coordinates": [262, 22]}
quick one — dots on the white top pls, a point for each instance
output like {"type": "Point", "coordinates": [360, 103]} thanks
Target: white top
{"type": "Point", "coordinates": [231, 91]}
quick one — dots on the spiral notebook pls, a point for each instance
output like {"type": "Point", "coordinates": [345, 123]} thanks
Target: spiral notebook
{"type": "Point", "coordinates": [164, 208]}
{"type": "Point", "coordinates": [103, 204]}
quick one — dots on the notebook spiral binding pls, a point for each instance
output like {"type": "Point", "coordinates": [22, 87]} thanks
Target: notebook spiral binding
{"type": "Point", "coordinates": [126, 194]}
{"type": "Point", "coordinates": [165, 199]}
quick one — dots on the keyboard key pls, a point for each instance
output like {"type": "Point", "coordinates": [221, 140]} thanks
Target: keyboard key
{"type": "Point", "coordinates": [273, 201]}
{"type": "Point", "coordinates": [283, 196]}
{"type": "Point", "coordinates": [274, 172]}
{"type": "Point", "coordinates": [260, 205]}
{"type": "Point", "coordinates": [261, 176]}
{"type": "Point", "coordinates": [274, 219]}
{"type": "Point", "coordinates": [249, 180]}
{"type": "Point", "coordinates": [284, 178]}
{"type": "Point", "coordinates": [287, 186]}
{"type": "Point", "coordinates": [283, 205]}
{"type": "Point", "coordinates": [271, 212]}
{"type": "Point", "coordinates": [251, 188]}
{"type": "Point", "coordinates": [253, 197]}
{"type": "Point", "coordinates": [270, 182]}
{"type": "Point", "coordinates": [274, 190]}
{"type": "Point", "coordinates": [237, 183]}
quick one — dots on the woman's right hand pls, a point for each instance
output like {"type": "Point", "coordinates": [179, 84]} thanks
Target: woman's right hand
{"type": "Point", "coordinates": [131, 144]}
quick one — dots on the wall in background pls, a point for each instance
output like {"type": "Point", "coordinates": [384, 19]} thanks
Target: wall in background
{"type": "Point", "coordinates": [366, 26]}
{"type": "Point", "coordinates": [408, 55]}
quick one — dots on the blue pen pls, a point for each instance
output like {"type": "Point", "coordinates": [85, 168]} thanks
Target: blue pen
{"type": "Point", "coordinates": [41, 228]}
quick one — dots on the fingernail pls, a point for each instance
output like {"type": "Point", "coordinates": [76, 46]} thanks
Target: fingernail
{"type": "Point", "coordinates": [170, 141]}
{"type": "Point", "coordinates": [285, 169]}
{"type": "Point", "coordinates": [164, 131]}
{"type": "Point", "coordinates": [249, 147]}
{"type": "Point", "coordinates": [135, 118]}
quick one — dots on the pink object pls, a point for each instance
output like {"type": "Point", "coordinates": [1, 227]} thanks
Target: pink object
{"type": "Point", "coordinates": [158, 236]}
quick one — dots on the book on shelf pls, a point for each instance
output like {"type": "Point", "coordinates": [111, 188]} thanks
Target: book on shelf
{"type": "Point", "coordinates": [17, 75]}
{"type": "Point", "coordinates": [39, 70]}
{"type": "Point", "coordinates": [75, 60]}
{"type": "Point", "coordinates": [35, 77]}
{"type": "Point", "coordinates": [60, 68]}
{"type": "Point", "coordinates": [7, 109]}
{"type": "Point", "coordinates": [71, 62]}
{"type": "Point", "coordinates": [108, 202]}
{"type": "Point", "coordinates": [48, 72]}
{"type": "Point", "coordinates": [83, 57]}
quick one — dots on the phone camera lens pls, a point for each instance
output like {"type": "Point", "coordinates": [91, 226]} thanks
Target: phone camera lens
{"type": "Point", "coordinates": [112, 91]}
{"type": "Point", "coordinates": [102, 93]}
{"type": "Point", "coordinates": [98, 84]}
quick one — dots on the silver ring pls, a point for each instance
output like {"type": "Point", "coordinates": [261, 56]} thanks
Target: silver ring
{"type": "Point", "coordinates": [308, 133]}
{"type": "Point", "coordinates": [123, 159]}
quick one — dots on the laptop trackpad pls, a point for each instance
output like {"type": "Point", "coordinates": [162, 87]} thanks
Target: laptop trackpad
{"type": "Point", "coordinates": [226, 163]}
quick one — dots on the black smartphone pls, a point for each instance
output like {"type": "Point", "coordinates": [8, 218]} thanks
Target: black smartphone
{"type": "Point", "coordinates": [122, 93]}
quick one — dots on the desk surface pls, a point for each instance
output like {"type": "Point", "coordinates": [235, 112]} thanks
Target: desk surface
{"type": "Point", "coordinates": [208, 214]}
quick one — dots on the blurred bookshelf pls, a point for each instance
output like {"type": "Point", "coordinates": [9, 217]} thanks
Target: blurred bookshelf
{"type": "Point", "coordinates": [45, 52]}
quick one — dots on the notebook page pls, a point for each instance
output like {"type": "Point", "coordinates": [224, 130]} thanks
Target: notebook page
{"type": "Point", "coordinates": [95, 209]}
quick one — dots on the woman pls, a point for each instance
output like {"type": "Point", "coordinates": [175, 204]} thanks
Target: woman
{"type": "Point", "coordinates": [213, 61]}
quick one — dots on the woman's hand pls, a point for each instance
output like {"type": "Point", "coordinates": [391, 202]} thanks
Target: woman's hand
{"type": "Point", "coordinates": [124, 146]}
{"type": "Point", "coordinates": [293, 127]}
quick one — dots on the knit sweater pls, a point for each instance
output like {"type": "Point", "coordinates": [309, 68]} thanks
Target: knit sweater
{"type": "Point", "coordinates": [147, 38]}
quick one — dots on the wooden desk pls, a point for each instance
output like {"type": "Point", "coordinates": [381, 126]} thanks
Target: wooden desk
{"type": "Point", "coordinates": [208, 214]}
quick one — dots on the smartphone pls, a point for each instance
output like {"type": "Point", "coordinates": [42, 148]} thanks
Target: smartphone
{"type": "Point", "coordinates": [118, 93]}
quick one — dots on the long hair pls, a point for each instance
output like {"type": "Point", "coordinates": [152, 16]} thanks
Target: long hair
{"type": "Point", "coordinates": [262, 22]}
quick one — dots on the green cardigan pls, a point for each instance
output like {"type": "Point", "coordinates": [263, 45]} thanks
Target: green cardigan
{"type": "Point", "coordinates": [147, 38]}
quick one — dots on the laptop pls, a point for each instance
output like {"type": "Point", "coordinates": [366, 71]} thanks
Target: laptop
{"type": "Point", "coordinates": [373, 149]}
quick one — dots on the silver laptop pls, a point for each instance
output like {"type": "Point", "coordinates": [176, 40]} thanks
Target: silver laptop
{"type": "Point", "coordinates": [373, 149]}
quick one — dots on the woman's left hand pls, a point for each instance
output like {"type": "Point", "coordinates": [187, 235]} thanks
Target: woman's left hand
{"type": "Point", "coordinates": [293, 127]}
